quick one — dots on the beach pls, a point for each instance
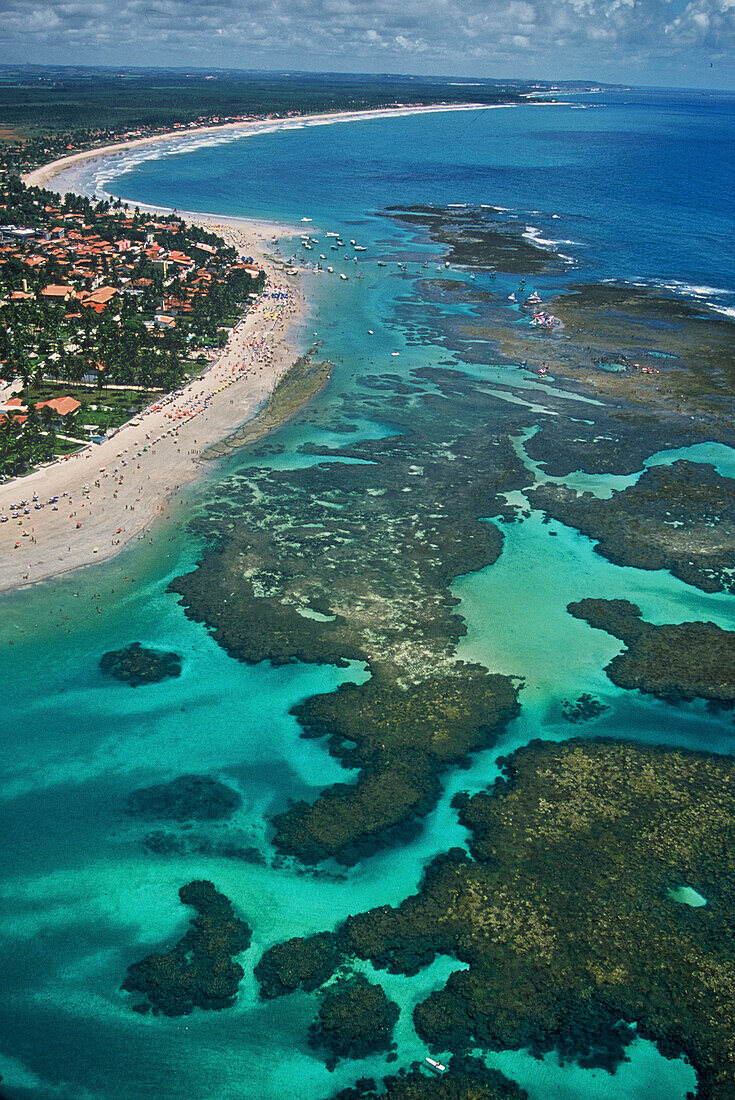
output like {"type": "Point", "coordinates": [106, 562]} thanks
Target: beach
{"type": "Point", "coordinates": [109, 494]}
{"type": "Point", "coordinates": [43, 176]}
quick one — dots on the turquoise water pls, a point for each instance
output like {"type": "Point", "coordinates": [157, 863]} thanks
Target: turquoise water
{"type": "Point", "coordinates": [81, 895]}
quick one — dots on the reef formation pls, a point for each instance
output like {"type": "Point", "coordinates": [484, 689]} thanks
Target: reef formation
{"type": "Point", "coordinates": [186, 798]}
{"type": "Point", "coordinates": [677, 662]}
{"type": "Point", "coordinates": [353, 561]}
{"type": "Point", "coordinates": [136, 665]}
{"type": "Point", "coordinates": [563, 912]}
{"type": "Point", "coordinates": [199, 971]}
{"type": "Point", "coordinates": [679, 517]}
{"type": "Point", "coordinates": [465, 1079]}
{"type": "Point", "coordinates": [355, 1019]}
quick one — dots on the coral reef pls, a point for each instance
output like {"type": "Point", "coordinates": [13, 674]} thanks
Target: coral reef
{"type": "Point", "coordinates": [186, 798]}
{"type": "Point", "coordinates": [199, 971]}
{"type": "Point", "coordinates": [679, 517]}
{"type": "Point", "coordinates": [584, 708]}
{"type": "Point", "coordinates": [563, 912]}
{"type": "Point", "coordinates": [478, 238]}
{"type": "Point", "coordinates": [135, 665]}
{"type": "Point", "coordinates": [676, 662]}
{"type": "Point", "coordinates": [305, 962]}
{"type": "Point", "coordinates": [353, 561]}
{"type": "Point", "coordinates": [355, 1019]}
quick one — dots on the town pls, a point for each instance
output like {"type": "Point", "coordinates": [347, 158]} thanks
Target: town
{"type": "Point", "coordinates": [101, 308]}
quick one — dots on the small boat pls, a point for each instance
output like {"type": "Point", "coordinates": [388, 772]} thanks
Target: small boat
{"type": "Point", "coordinates": [352, 243]}
{"type": "Point", "coordinates": [332, 235]}
{"type": "Point", "coordinates": [436, 1065]}
{"type": "Point", "coordinates": [330, 270]}
{"type": "Point", "coordinates": [322, 256]}
{"type": "Point", "coordinates": [382, 263]}
{"type": "Point", "coordinates": [395, 353]}
{"type": "Point", "coordinates": [306, 219]}
{"type": "Point", "coordinates": [446, 263]}
{"type": "Point", "coordinates": [360, 248]}
{"type": "Point", "coordinates": [533, 299]}
{"type": "Point", "coordinates": [512, 298]}
{"type": "Point", "coordinates": [370, 332]}
{"type": "Point", "coordinates": [342, 276]}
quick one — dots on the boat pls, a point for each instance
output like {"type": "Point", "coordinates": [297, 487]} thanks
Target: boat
{"type": "Point", "coordinates": [322, 256]}
{"type": "Point", "coordinates": [330, 270]}
{"type": "Point", "coordinates": [352, 243]}
{"type": "Point", "coordinates": [343, 276]}
{"type": "Point", "coordinates": [395, 353]}
{"type": "Point", "coordinates": [512, 298]}
{"type": "Point", "coordinates": [446, 263]}
{"type": "Point", "coordinates": [332, 235]}
{"type": "Point", "coordinates": [370, 332]}
{"type": "Point", "coordinates": [382, 263]}
{"type": "Point", "coordinates": [533, 299]}
{"type": "Point", "coordinates": [439, 1066]}
{"type": "Point", "coordinates": [360, 248]}
{"type": "Point", "coordinates": [306, 219]}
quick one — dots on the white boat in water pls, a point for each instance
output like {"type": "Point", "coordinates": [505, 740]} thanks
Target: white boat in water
{"type": "Point", "coordinates": [343, 276]}
{"type": "Point", "coordinates": [436, 1065]}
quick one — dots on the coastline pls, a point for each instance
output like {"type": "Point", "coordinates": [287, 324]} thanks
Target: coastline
{"type": "Point", "coordinates": [41, 177]}
{"type": "Point", "coordinates": [116, 490]}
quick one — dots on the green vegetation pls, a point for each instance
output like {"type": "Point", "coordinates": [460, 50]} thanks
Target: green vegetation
{"type": "Point", "coordinates": [355, 1019]}
{"type": "Point", "coordinates": [675, 662]}
{"type": "Point", "coordinates": [198, 972]}
{"type": "Point", "coordinates": [43, 110]}
{"type": "Point", "coordinates": [135, 665]}
{"type": "Point", "coordinates": [106, 306]}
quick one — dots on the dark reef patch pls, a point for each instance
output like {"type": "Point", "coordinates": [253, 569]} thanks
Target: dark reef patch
{"type": "Point", "coordinates": [676, 662]}
{"type": "Point", "coordinates": [305, 962]}
{"type": "Point", "coordinates": [585, 708]}
{"type": "Point", "coordinates": [186, 798]}
{"type": "Point", "coordinates": [199, 971]}
{"type": "Point", "coordinates": [474, 237]}
{"type": "Point", "coordinates": [679, 517]}
{"type": "Point", "coordinates": [135, 665]}
{"type": "Point", "coordinates": [355, 1019]}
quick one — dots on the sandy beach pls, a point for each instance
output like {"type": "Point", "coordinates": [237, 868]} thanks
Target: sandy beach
{"type": "Point", "coordinates": [111, 493]}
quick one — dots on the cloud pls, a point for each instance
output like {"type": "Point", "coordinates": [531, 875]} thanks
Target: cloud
{"type": "Point", "coordinates": [486, 37]}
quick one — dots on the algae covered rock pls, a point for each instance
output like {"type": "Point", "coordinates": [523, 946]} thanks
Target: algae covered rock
{"type": "Point", "coordinates": [199, 971]}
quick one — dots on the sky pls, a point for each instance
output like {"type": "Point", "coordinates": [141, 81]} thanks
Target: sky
{"type": "Point", "coordinates": [687, 43]}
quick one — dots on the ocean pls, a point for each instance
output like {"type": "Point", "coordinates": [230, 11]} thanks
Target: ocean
{"type": "Point", "coordinates": [631, 187]}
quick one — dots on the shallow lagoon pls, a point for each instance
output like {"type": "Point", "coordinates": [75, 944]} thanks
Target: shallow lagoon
{"type": "Point", "coordinates": [81, 896]}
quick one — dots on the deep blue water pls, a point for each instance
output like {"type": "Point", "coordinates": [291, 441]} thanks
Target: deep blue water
{"type": "Point", "coordinates": [643, 188]}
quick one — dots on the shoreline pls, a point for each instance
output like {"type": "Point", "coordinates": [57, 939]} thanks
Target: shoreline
{"type": "Point", "coordinates": [41, 177]}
